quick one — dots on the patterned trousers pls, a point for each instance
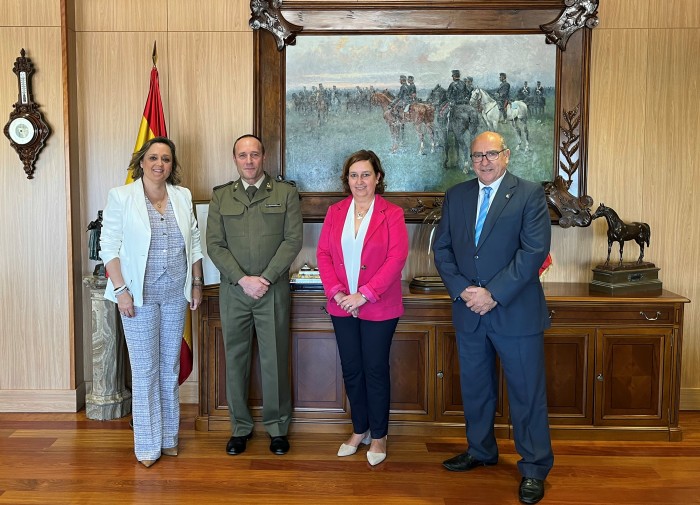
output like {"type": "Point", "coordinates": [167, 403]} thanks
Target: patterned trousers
{"type": "Point", "coordinates": [154, 338]}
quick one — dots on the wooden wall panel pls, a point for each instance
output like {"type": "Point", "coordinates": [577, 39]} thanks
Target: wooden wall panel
{"type": "Point", "coordinates": [674, 14]}
{"type": "Point", "coordinates": [617, 123]}
{"type": "Point", "coordinates": [121, 15]}
{"type": "Point", "coordinates": [571, 255]}
{"type": "Point", "coordinates": [672, 150]}
{"type": "Point", "coordinates": [210, 92]}
{"type": "Point", "coordinates": [33, 13]}
{"type": "Point", "coordinates": [35, 341]}
{"type": "Point", "coordinates": [657, 118]}
{"type": "Point", "coordinates": [214, 16]}
{"type": "Point", "coordinates": [616, 158]}
{"type": "Point", "coordinates": [624, 14]}
{"type": "Point", "coordinates": [113, 80]}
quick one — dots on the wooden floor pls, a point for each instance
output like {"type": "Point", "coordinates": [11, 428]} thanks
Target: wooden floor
{"type": "Point", "coordinates": [54, 459]}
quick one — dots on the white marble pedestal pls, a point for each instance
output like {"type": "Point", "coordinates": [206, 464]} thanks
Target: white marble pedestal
{"type": "Point", "coordinates": [109, 398]}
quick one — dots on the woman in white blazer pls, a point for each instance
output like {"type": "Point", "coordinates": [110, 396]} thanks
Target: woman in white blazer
{"type": "Point", "coordinates": [150, 247]}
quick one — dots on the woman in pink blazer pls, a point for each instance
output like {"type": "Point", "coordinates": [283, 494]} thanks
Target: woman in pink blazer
{"type": "Point", "coordinates": [361, 251]}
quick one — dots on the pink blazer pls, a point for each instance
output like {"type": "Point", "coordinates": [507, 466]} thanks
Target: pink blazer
{"type": "Point", "coordinates": [384, 253]}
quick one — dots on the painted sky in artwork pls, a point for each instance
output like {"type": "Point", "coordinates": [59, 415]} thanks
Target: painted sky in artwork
{"type": "Point", "coordinates": [378, 60]}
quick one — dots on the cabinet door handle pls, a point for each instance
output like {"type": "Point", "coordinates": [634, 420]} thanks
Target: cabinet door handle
{"type": "Point", "coordinates": [599, 377]}
{"type": "Point", "coordinates": [551, 313]}
{"type": "Point", "coordinates": [642, 313]}
{"type": "Point", "coordinates": [440, 375]}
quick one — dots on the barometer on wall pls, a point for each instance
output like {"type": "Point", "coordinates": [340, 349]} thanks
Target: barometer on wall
{"type": "Point", "coordinates": [26, 128]}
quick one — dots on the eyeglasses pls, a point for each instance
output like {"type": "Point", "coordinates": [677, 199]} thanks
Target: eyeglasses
{"type": "Point", "coordinates": [489, 155]}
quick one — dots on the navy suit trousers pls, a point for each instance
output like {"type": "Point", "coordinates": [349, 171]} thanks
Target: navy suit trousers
{"type": "Point", "coordinates": [522, 359]}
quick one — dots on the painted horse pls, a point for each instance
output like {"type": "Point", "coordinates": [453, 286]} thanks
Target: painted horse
{"type": "Point", "coordinates": [461, 120]}
{"type": "Point", "coordinates": [619, 231]}
{"type": "Point", "coordinates": [516, 114]}
{"type": "Point", "coordinates": [438, 99]}
{"type": "Point", "coordinates": [422, 115]}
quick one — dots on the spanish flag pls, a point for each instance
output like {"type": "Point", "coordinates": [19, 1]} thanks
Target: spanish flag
{"type": "Point", "coordinates": [153, 125]}
{"type": "Point", "coordinates": [546, 266]}
{"type": "Point", "coordinates": [153, 120]}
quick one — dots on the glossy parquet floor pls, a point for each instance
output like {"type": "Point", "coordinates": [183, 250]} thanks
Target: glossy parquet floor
{"type": "Point", "coordinates": [55, 459]}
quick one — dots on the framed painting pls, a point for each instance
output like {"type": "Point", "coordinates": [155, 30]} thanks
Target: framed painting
{"type": "Point", "coordinates": [415, 82]}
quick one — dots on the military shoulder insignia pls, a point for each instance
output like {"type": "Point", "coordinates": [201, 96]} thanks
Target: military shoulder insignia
{"type": "Point", "coordinates": [280, 178]}
{"type": "Point", "coordinates": [222, 185]}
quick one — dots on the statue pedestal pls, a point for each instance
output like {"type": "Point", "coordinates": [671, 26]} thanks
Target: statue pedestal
{"type": "Point", "coordinates": [427, 284]}
{"type": "Point", "coordinates": [625, 279]}
{"type": "Point", "coordinates": [109, 398]}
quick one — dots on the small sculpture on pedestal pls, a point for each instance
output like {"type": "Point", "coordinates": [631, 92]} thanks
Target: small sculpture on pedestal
{"type": "Point", "coordinates": [623, 278]}
{"type": "Point", "coordinates": [619, 231]}
{"type": "Point", "coordinates": [95, 229]}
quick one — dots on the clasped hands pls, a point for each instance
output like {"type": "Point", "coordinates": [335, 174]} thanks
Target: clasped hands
{"type": "Point", "coordinates": [350, 303]}
{"type": "Point", "coordinates": [254, 286]}
{"type": "Point", "coordinates": [478, 299]}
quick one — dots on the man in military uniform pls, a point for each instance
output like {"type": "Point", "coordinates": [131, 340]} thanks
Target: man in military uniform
{"type": "Point", "coordinates": [503, 95]}
{"type": "Point", "coordinates": [254, 232]}
{"type": "Point", "coordinates": [457, 90]}
{"type": "Point", "coordinates": [539, 98]}
{"type": "Point", "coordinates": [412, 91]}
{"type": "Point", "coordinates": [456, 94]}
{"type": "Point", "coordinates": [525, 92]}
{"type": "Point", "coordinates": [402, 98]}
{"type": "Point", "coordinates": [468, 88]}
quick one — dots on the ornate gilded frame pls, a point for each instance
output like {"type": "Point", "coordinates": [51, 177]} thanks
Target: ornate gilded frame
{"type": "Point", "coordinates": [566, 23]}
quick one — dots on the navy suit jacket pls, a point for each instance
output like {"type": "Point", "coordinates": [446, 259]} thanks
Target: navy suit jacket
{"type": "Point", "coordinates": [514, 243]}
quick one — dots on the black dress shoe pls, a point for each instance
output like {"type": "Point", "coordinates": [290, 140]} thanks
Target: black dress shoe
{"type": "Point", "coordinates": [531, 490]}
{"type": "Point", "coordinates": [236, 445]}
{"type": "Point", "coordinates": [279, 445]}
{"type": "Point", "coordinates": [464, 462]}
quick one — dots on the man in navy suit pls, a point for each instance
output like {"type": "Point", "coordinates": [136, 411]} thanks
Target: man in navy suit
{"type": "Point", "coordinates": [488, 250]}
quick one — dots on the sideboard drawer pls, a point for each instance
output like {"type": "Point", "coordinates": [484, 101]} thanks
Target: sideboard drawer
{"type": "Point", "coordinates": [638, 314]}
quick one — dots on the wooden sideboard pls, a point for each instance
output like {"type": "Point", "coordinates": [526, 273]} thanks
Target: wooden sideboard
{"type": "Point", "coordinates": [613, 367]}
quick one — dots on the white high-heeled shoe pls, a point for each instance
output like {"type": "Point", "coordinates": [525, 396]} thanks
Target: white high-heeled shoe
{"type": "Point", "coordinates": [374, 458]}
{"type": "Point", "coordinates": [349, 450]}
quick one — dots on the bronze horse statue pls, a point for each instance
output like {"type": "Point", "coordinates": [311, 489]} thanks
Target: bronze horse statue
{"type": "Point", "coordinates": [619, 231]}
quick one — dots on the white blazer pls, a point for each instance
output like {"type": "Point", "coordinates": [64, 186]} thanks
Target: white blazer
{"type": "Point", "coordinates": [126, 234]}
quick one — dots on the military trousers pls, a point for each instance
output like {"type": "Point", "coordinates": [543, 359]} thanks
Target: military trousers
{"type": "Point", "coordinates": [267, 319]}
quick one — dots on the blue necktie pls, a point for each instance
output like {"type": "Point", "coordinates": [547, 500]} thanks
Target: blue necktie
{"type": "Point", "coordinates": [483, 209]}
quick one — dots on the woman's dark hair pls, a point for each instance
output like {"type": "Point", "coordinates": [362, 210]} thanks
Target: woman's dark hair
{"type": "Point", "coordinates": [364, 155]}
{"type": "Point", "coordinates": [135, 165]}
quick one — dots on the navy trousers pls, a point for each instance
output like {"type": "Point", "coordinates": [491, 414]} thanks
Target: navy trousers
{"type": "Point", "coordinates": [364, 355]}
{"type": "Point", "coordinates": [522, 359]}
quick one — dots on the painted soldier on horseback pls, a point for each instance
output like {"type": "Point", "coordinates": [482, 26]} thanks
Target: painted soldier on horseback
{"type": "Point", "coordinates": [503, 96]}
{"type": "Point", "coordinates": [457, 90]}
{"type": "Point", "coordinates": [402, 99]}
